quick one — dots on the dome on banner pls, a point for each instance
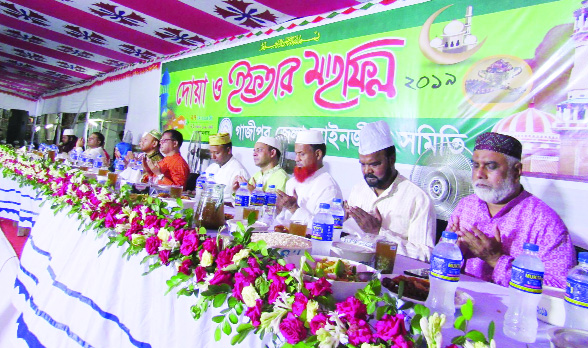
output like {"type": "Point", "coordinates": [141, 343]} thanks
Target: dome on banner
{"type": "Point", "coordinates": [529, 126]}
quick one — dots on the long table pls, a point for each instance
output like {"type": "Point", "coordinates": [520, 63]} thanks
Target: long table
{"type": "Point", "coordinates": [65, 295]}
{"type": "Point", "coordinates": [20, 204]}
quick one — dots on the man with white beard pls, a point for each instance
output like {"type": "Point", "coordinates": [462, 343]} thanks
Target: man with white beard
{"type": "Point", "coordinates": [495, 222]}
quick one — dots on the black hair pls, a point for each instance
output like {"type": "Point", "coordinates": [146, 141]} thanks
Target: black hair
{"type": "Point", "coordinates": [321, 147]}
{"type": "Point", "coordinates": [175, 135]}
{"type": "Point", "coordinates": [100, 137]}
{"type": "Point", "coordinates": [278, 153]}
{"type": "Point", "coordinates": [391, 152]}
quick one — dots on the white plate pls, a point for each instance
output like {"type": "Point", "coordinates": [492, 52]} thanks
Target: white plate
{"type": "Point", "coordinates": [258, 226]}
{"type": "Point", "coordinates": [461, 296]}
{"type": "Point", "coordinates": [172, 202]}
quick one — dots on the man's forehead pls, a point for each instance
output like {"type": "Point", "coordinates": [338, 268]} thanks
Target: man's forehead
{"type": "Point", "coordinates": [261, 146]}
{"type": "Point", "coordinates": [488, 156]}
{"type": "Point", "coordinates": [302, 147]}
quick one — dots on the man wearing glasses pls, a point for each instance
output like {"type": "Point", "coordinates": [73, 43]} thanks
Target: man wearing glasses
{"type": "Point", "coordinates": [172, 169]}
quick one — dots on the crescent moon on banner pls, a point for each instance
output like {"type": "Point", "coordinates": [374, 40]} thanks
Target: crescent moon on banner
{"type": "Point", "coordinates": [436, 56]}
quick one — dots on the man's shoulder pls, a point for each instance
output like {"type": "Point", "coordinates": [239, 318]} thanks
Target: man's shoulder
{"type": "Point", "coordinates": [536, 204]}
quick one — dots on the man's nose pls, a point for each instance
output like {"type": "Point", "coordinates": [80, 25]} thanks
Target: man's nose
{"type": "Point", "coordinates": [479, 173]}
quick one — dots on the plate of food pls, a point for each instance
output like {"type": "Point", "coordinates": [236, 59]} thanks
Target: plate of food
{"type": "Point", "coordinates": [417, 289]}
{"type": "Point", "coordinates": [345, 276]}
{"type": "Point", "coordinates": [290, 246]}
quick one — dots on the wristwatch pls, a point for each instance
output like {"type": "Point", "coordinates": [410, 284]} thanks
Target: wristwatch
{"type": "Point", "coordinates": [159, 177]}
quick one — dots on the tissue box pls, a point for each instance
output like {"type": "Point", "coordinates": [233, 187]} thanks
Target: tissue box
{"type": "Point", "coordinates": [551, 306]}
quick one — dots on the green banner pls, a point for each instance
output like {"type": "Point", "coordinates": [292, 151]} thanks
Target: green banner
{"type": "Point", "coordinates": [438, 72]}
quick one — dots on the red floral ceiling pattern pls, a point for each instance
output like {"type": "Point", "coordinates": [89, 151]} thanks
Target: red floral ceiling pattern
{"type": "Point", "coordinates": [47, 45]}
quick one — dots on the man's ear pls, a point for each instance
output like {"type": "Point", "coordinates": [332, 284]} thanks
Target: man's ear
{"type": "Point", "coordinates": [319, 154]}
{"type": "Point", "coordinates": [273, 153]}
{"type": "Point", "coordinates": [518, 170]}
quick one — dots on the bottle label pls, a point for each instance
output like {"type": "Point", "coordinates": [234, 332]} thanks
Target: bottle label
{"type": "Point", "coordinates": [445, 269]}
{"type": "Point", "coordinates": [338, 222]}
{"type": "Point", "coordinates": [258, 200]}
{"type": "Point", "coordinates": [271, 200]}
{"type": "Point", "coordinates": [97, 164]}
{"type": "Point", "coordinates": [322, 232]}
{"type": "Point", "coordinates": [200, 185]}
{"type": "Point", "coordinates": [577, 293]}
{"type": "Point", "coordinates": [73, 156]}
{"type": "Point", "coordinates": [526, 280]}
{"type": "Point", "coordinates": [241, 201]}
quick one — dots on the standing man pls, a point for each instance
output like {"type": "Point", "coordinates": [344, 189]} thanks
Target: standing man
{"type": "Point", "coordinates": [387, 203]}
{"type": "Point", "coordinates": [495, 222]}
{"type": "Point", "coordinates": [266, 155]}
{"type": "Point", "coordinates": [226, 168]}
{"type": "Point", "coordinates": [311, 184]}
{"type": "Point", "coordinates": [172, 169]}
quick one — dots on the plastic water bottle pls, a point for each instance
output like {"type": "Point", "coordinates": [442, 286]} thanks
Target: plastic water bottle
{"type": "Point", "coordinates": [73, 157]}
{"type": "Point", "coordinates": [258, 198]}
{"type": "Point", "coordinates": [200, 183]}
{"type": "Point", "coordinates": [98, 162]}
{"type": "Point", "coordinates": [576, 304]}
{"type": "Point", "coordinates": [242, 197]}
{"type": "Point", "coordinates": [119, 165]}
{"type": "Point", "coordinates": [339, 216]}
{"type": "Point", "coordinates": [526, 285]}
{"type": "Point", "coordinates": [444, 275]}
{"type": "Point", "coordinates": [322, 231]}
{"type": "Point", "coordinates": [270, 203]}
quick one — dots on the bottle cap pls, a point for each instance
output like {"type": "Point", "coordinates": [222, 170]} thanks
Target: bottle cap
{"type": "Point", "coordinates": [259, 185]}
{"type": "Point", "coordinates": [583, 256]}
{"type": "Point", "coordinates": [530, 247]}
{"type": "Point", "coordinates": [243, 184]}
{"type": "Point", "coordinates": [325, 206]}
{"type": "Point", "coordinates": [336, 200]}
{"type": "Point", "coordinates": [272, 186]}
{"type": "Point", "coordinates": [449, 235]}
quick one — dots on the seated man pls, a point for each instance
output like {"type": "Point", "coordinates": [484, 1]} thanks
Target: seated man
{"type": "Point", "coordinates": [68, 141]}
{"type": "Point", "coordinates": [311, 184]}
{"type": "Point", "coordinates": [387, 203]}
{"type": "Point", "coordinates": [172, 169]}
{"type": "Point", "coordinates": [495, 222]}
{"type": "Point", "coordinates": [226, 168]}
{"type": "Point", "coordinates": [95, 146]}
{"type": "Point", "coordinates": [266, 156]}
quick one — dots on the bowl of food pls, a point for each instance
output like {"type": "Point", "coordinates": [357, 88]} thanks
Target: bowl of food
{"type": "Point", "coordinates": [358, 253]}
{"type": "Point", "coordinates": [417, 289]}
{"type": "Point", "coordinates": [345, 276]}
{"type": "Point", "coordinates": [290, 247]}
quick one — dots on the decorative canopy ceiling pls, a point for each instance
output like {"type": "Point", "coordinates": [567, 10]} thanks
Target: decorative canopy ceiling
{"type": "Point", "coordinates": [48, 45]}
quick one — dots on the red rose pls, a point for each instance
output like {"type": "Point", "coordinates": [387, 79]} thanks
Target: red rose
{"type": "Point", "coordinates": [189, 244]}
{"type": "Point", "coordinates": [319, 287]}
{"type": "Point", "coordinates": [299, 304]}
{"type": "Point", "coordinates": [352, 308]}
{"type": "Point", "coordinates": [185, 267]}
{"type": "Point", "coordinates": [199, 273]}
{"type": "Point", "coordinates": [293, 329]}
{"type": "Point", "coordinates": [164, 256]}
{"type": "Point", "coordinates": [254, 313]}
{"type": "Point", "coordinates": [221, 277]}
{"type": "Point", "coordinates": [152, 245]}
{"type": "Point", "coordinates": [319, 321]}
{"type": "Point", "coordinates": [390, 327]}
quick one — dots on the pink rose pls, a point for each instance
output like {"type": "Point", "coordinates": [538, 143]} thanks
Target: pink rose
{"type": "Point", "coordinates": [164, 256]}
{"type": "Point", "coordinates": [452, 346]}
{"type": "Point", "coordinates": [152, 245]}
{"type": "Point", "coordinates": [177, 223]}
{"type": "Point", "coordinates": [389, 327]}
{"type": "Point", "coordinates": [277, 285]}
{"type": "Point", "coordinates": [402, 342]}
{"type": "Point", "coordinates": [241, 280]}
{"type": "Point", "coordinates": [317, 322]}
{"type": "Point", "coordinates": [293, 329]}
{"type": "Point", "coordinates": [149, 221]}
{"type": "Point", "coordinates": [359, 332]}
{"type": "Point", "coordinates": [221, 277]}
{"type": "Point", "coordinates": [254, 313]}
{"type": "Point", "coordinates": [210, 246]}
{"type": "Point", "coordinates": [319, 288]}
{"type": "Point", "coordinates": [299, 304]}
{"type": "Point", "coordinates": [181, 233]}
{"type": "Point", "coordinates": [185, 267]}
{"type": "Point", "coordinates": [189, 244]}
{"type": "Point", "coordinates": [199, 273]}
{"type": "Point", "coordinates": [253, 268]}
{"type": "Point", "coordinates": [352, 308]}
{"type": "Point", "coordinates": [225, 257]}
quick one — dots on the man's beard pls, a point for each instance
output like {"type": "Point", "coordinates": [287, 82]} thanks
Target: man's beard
{"type": "Point", "coordinates": [373, 181]}
{"type": "Point", "coordinates": [303, 173]}
{"type": "Point", "coordinates": [495, 195]}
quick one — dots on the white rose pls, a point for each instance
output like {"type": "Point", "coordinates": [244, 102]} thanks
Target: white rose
{"type": "Point", "coordinates": [243, 253]}
{"type": "Point", "coordinates": [206, 259]}
{"type": "Point", "coordinates": [249, 295]}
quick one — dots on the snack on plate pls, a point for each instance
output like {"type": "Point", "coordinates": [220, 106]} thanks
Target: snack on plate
{"type": "Point", "coordinates": [229, 216]}
{"type": "Point", "coordinates": [282, 241]}
{"type": "Point", "coordinates": [336, 269]}
{"type": "Point", "coordinates": [281, 229]}
{"type": "Point", "coordinates": [414, 288]}
{"type": "Point", "coordinates": [163, 195]}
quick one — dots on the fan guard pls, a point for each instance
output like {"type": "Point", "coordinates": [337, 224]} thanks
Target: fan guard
{"type": "Point", "coordinates": [445, 176]}
{"type": "Point", "coordinates": [194, 152]}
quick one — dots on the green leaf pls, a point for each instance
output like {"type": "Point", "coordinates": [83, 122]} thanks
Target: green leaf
{"type": "Point", "coordinates": [232, 302]}
{"type": "Point", "coordinates": [415, 323]}
{"type": "Point", "coordinates": [400, 289]}
{"type": "Point", "coordinates": [251, 219]}
{"type": "Point", "coordinates": [467, 310]}
{"type": "Point", "coordinates": [476, 336]}
{"type": "Point", "coordinates": [371, 307]}
{"type": "Point", "coordinates": [460, 323]}
{"type": "Point", "coordinates": [219, 300]}
{"type": "Point", "coordinates": [217, 333]}
{"type": "Point", "coordinates": [380, 312]}
{"type": "Point", "coordinates": [459, 340]}
{"type": "Point", "coordinates": [233, 318]}
{"type": "Point", "coordinates": [422, 310]}
{"type": "Point", "coordinates": [245, 327]}
{"type": "Point", "coordinates": [227, 329]}
{"type": "Point", "coordinates": [491, 328]}
{"type": "Point", "coordinates": [218, 318]}
{"type": "Point", "coordinates": [175, 281]}
{"type": "Point", "coordinates": [239, 308]}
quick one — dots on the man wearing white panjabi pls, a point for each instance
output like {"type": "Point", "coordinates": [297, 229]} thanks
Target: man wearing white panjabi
{"type": "Point", "coordinates": [387, 203]}
{"type": "Point", "coordinates": [311, 184]}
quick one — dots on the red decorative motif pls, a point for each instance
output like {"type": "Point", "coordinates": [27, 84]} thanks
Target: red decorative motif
{"type": "Point", "coordinates": [359, 70]}
{"type": "Point", "coordinates": [240, 12]}
{"type": "Point", "coordinates": [109, 11]}
{"type": "Point", "coordinates": [254, 83]}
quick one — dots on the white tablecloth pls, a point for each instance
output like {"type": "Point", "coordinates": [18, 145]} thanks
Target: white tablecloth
{"type": "Point", "coordinates": [19, 204]}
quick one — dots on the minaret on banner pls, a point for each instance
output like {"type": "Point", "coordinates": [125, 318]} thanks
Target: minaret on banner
{"type": "Point", "coordinates": [572, 114]}
{"type": "Point", "coordinates": [457, 36]}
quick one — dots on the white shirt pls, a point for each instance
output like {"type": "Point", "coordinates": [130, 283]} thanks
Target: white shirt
{"type": "Point", "coordinates": [408, 215]}
{"type": "Point", "coordinates": [320, 187]}
{"type": "Point", "coordinates": [226, 175]}
{"type": "Point", "coordinates": [93, 152]}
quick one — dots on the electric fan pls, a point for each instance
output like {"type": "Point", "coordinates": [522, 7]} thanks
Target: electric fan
{"type": "Point", "coordinates": [445, 176]}
{"type": "Point", "coordinates": [194, 152]}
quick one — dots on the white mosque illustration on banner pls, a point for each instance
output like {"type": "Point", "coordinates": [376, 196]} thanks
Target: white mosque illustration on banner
{"type": "Point", "coordinates": [556, 146]}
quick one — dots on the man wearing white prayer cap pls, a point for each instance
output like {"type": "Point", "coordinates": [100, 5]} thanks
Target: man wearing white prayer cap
{"type": "Point", "coordinates": [387, 203]}
{"type": "Point", "coordinates": [266, 155]}
{"type": "Point", "coordinates": [311, 184]}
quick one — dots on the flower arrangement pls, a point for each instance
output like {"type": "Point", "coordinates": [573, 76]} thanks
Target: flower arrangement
{"type": "Point", "coordinates": [246, 279]}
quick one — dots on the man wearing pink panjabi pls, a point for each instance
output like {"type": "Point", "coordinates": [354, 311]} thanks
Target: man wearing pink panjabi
{"type": "Point", "coordinates": [495, 222]}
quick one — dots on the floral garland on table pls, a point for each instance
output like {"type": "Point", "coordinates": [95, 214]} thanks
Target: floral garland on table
{"type": "Point", "coordinates": [239, 276]}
